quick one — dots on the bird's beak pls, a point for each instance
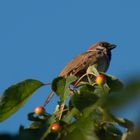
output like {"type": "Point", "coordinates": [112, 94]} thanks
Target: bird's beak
{"type": "Point", "coordinates": [112, 46]}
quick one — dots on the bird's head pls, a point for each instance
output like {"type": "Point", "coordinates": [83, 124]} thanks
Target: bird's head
{"type": "Point", "coordinates": [102, 45]}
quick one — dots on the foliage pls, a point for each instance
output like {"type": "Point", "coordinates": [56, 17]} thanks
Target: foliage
{"type": "Point", "coordinates": [16, 95]}
{"type": "Point", "coordinates": [84, 110]}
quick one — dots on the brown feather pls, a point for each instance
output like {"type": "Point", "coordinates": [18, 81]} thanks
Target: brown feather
{"type": "Point", "coordinates": [99, 54]}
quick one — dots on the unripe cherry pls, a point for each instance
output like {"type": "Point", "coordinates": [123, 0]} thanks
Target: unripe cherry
{"type": "Point", "coordinates": [100, 79]}
{"type": "Point", "coordinates": [40, 110]}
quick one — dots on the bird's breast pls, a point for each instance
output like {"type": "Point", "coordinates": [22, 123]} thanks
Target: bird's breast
{"type": "Point", "coordinates": [100, 59]}
{"type": "Point", "coordinates": [103, 64]}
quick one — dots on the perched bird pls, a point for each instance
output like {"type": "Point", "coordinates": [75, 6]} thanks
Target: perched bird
{"type": "Point", "coordinates": [99, 54]}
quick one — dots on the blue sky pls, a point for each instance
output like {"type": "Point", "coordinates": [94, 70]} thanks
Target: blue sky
{"type": "Point", "coordinates": [38, 38]}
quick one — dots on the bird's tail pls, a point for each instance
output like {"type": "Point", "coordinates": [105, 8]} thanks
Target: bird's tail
{"type": "Point", "coordinates": [49, 98]}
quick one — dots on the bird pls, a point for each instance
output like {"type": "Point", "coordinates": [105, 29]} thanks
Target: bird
{"type": "Point", "coordinates": [98, 54]}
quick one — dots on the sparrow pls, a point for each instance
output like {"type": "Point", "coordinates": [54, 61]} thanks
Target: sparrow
{"type": "Point", "coordinates": [98, 54]}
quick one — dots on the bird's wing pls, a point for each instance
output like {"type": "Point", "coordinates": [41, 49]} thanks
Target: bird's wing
{"type": "Point", "coordinates": [77, 64]}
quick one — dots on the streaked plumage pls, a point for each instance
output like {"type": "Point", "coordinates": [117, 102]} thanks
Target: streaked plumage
{"type": "Point", "coordinates": [99, 53]}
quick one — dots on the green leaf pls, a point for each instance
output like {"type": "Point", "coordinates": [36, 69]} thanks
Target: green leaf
{"type": "Point", "coordinates": [109, 131]}
{"type": "Point", "coordinates": [70, 115]}
{"type": "Point", "coordinates": [58, 86]}
{"type": "Point", "coordinates": [114, 83]}
{"type": "Point", "coordinates": [15, 96]}
{"type": "Point", "coordinates": [83, 129]}
{"type": "Point", "coordinates": [93, 69]}
{"type": "Point", "coordinates": [84, 97]}
{"type": "Point", "coordinates": [70, 80]}
{"type": "Point", "coordinates": [116, 100]}
{"type": "Point", "coordinates": [125, 123]}
{"type": "Point", "coordinates": [36, 118]}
